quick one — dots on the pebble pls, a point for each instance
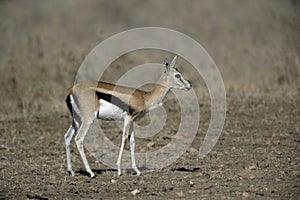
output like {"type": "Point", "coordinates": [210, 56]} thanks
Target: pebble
{"type": "Point", "coordinates": [180, 194]}
{"type": "Point", "coordinates": [193, 150]}
{"type": "Point", "coordinates": [150, 144]}
{"type": "Point", "coordinates": [246, 174]}
{"type": "Point", "coordinates": [113, 181]}
{"type": "Point", "coordinates": [246, 194]}
{"type": "Point", "coordinates": [205, 186]}
{"type": "Point", "coordinates": [249, 165]}
{"type": "Point", "coordinates": [135, 192]}
{"type": "Point", "coordinates": [191, 183]}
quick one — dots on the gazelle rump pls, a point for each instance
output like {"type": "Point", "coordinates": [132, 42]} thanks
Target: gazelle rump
{"type": "Point", "coordinates": [89, 100]}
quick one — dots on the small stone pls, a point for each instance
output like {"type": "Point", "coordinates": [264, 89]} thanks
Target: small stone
{"type": "Point", "coordinates": [150, 144]}
{"type": "Point", "coordinates": [258, 141]}
{"type": "Point", "coordinates": [246, 174]}
{"type": "Point", "coordinates": [246, 194]}
{"type": "Point", "coordinates": [249, 165]}
{"type": "Point", "coordinates": [205, 186]}
{"type": "Point", "coordinates": [180, 194]}
{"type": "Point", "coordinates": [35, 196]}
{"type": "Point", "coordinates": [135, 192]}
{"type": "Point", "coordinates": [193, 150]}
{"type": "Point", "coordinates": [3, 147]}
{"type": "Point", "coordinates": [230, 178]}
{"type": "Point", "coordinates": [113, 181]}
{"type": "Point", "coordinates": [268, 142]}
{"type": "Point", "coordinates": [191, 183]}
{"type": "Point", "coordinates": [226, 133]}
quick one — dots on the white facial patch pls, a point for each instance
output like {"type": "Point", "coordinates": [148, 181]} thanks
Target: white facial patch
{"type": "Point", "coordinates": [109, 111]}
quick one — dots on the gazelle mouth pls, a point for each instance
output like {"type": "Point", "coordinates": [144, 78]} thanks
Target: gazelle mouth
{"type": "Point", "coordinates": [187, 88]}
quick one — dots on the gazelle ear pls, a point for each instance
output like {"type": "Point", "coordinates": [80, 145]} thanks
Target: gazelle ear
{"type": "Point", "coordinates": [167, 66]}
{"type": "Point", "coordinates": [173, 62]}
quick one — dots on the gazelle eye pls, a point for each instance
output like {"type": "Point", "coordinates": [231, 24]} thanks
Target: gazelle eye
{"type": "Point", "coordinates": [177, 76]}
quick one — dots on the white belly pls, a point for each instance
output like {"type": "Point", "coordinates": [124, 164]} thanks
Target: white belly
{"type": "Point", "coordinates": [108, 111]}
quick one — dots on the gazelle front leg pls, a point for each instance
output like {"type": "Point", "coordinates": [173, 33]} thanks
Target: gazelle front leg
{"type": "Point", "coordinates": [132, 145]}
{"type": "Point", "coordinates": [127, 123]}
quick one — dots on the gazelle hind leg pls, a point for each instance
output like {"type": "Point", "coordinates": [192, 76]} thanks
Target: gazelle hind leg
{"type": "Point", "coordinates": [127, 122]}
{"type": "Point", "coordinates": [68, 138]}
{"type": "Point", "coordinates": [132, 146]}
{"type": "Point", "coordinates": [82, 131]}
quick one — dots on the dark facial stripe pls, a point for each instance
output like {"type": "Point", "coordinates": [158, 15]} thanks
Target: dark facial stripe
{"type": "Point", "coordinates": [116, 101]}
{"type": "Point", "coordinates": [182, 80]}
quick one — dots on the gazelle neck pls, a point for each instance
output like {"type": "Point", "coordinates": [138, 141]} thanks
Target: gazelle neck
{"type": "Point", "coordinates": [157, 94]}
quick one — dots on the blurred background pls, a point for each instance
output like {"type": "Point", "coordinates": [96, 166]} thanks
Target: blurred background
{"type": "Point", "coordinates": [254, 43]}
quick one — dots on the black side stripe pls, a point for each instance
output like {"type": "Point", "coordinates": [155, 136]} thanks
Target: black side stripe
{"type": "Point", "coordinates": [116, 101]}
{"type": "Point", "coordinates": [75, 115]}
{"type": "Point", "coordinates": [68, 102]}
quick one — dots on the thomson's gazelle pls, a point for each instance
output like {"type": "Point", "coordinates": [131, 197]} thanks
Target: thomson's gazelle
{"type": "Point", "coordinates": [88, 100]}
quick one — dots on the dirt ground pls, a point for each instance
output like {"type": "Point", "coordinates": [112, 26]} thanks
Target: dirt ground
{"type": "Point", "coordinates": [255, 44]}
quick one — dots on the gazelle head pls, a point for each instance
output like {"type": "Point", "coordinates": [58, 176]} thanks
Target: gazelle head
{"type": "Point", "coordinates": [173, 78]}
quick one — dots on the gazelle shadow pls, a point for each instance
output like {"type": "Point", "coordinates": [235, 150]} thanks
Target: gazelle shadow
{"type": "Point", "coordinates": [96, 171]}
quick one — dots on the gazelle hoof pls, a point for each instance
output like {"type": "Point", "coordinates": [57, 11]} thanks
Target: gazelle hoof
{"type": "Point", "coordinates": [92, 175]}
{"type": "Point", "coordinates": [71, 172]}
